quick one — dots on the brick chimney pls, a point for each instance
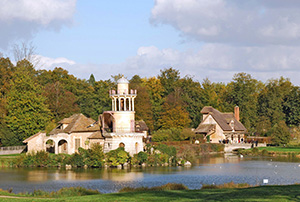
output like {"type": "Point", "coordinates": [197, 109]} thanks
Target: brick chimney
{"type": "Point", "coordinates": [237, 113]}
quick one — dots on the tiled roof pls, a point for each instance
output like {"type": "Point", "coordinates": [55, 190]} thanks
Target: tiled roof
{"type": "Point", "coordinates": [96, 135]}
{"type": "Point", "coordinates": [31, 137]}
{"type": "Point", "coordinates": [77, 123]}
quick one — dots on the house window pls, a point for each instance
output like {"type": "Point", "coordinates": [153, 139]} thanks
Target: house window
{"type": "Point", "coordinates": [77, 144]}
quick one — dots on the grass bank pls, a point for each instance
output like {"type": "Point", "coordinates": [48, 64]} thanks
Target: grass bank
{"type": "Point", "coordinates": [6, 160]}
{"type": "Point", "coordinates": [272, 151]}
{"type": "Point", "coordinates": [262, 193]}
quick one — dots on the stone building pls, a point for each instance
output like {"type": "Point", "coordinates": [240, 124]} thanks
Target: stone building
{"type": "Point", "coordinates": [217, 126]}
{"type": "Point", "coordinates": [115, 128]}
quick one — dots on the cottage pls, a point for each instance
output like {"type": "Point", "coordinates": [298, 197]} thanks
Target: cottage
{"type": "Point", "coordinates": [115, 128]}
{"type": "Point", "coordinates": [217, 126]}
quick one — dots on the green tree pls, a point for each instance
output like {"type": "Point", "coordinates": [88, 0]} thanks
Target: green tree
{"type": "Point", "coordinates": [92, 80]}
{"type": "Point", "coordinates": [244, 91]}
{"type": "Point", "coordinates": [117, 157]}
{"type": "Point", "coordinates": [6, 72]}
{"type": "Point", "coordinates": [280, 133]}
{"type": "Point", "coordinates": [191, 94]}
{"type": "Point", "coordinates": [27, 111]}
{"type": "Point", "coordinates": [291, 107]}
{"type": "Point", "coordinates": [271, 99]}
{"type": "Point", "coordinates": [169, 79]}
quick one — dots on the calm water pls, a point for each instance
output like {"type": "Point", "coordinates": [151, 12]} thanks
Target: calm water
{"type": "Point", "coordinates": [217, 170]}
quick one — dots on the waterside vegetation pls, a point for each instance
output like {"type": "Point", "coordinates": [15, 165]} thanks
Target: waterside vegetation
{"type": "Point", "coordinates": [169, 192]}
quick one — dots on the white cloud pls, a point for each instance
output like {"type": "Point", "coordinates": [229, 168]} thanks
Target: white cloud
{"type": "Point", "coordinates": [20, 19]}
{"type": "Point", "coordinates": [251, 22]}
{"type": "Point", "coordinates": [50, 63]}
{"type": "Point", "coordinates": [218, 62]}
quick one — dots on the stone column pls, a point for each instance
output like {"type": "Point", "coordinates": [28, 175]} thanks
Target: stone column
{"type": "Point", "coordinates": [133, 104]}
{"type": "Point", "coordinates": [129, 103]}
{"type": "Point", "coordinates": [115, 105]}
{"type": "Point", "coordinates": [56, 147]}
{"type": "Point", "coordinates": [125, 104]}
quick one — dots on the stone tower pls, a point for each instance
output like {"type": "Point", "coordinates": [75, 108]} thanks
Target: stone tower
{"type": "Point", "coordinates": [123, 107]}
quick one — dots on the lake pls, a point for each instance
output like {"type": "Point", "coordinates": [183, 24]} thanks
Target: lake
{"type": "Point", "coordinates": [207, 170]}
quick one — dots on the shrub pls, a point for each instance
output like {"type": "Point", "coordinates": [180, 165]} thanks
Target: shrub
{"type": "Point", "coordinates": [117, 157]}
{"type": "Point", "coordinates": [94, 156]}
{"type": "Point", "coordinates": [166, 187]}
{"type": "Point", "coordinates": [139, 158]}
{"type": "Point", "coordinates": [66, 192]}
{"type": "Point", "coordinates": [226, 186]}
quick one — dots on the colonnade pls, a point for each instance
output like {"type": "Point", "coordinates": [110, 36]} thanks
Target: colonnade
{"type": "Point", "coordinates": [120, 103]}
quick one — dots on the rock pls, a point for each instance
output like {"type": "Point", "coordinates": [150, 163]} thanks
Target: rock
{"type": "Point", "coordinates": [125, 164]}
{"type": "Point", "coordinates": [144, 165]}
{"type": "Point", "coordinates": [165, 164]}
{"type": "Point", "coordinates": [85, 166]}
{"type": "Point", "coordinates": [119, 166]}
{"type": "Point", "coordinates": [68, 167]}
{"type": "Point", "coordinates": [187, 164]}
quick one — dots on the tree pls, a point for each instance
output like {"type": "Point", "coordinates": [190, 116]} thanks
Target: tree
{"type": "Point", "coordinates": [291, 107]}
{"type": "Point", "coordinates": [6, 72]}
{"type": "Point", "coordinates": [155, 91]}
{"type": "Point", "coordinates": [92, 80]}
{"type": "Point", "coordinates": [191, 94]}
{"type": "Point", "coordinates": [244, 91]}
{"type": "Point", "coordinates": [173, 115]}
{"type": "Point", "coordinates": [169, 80]}
{"type": "Point", "coordinates": [61, 103]}
{"type": "Point", "coordinates": [143, 107]}
{"type": "Point", "coordinates": [280, 133]}
{"type": "Point", "coordinates": [271, 99]}
{"type": "Point", "coordinates": [27, 111]}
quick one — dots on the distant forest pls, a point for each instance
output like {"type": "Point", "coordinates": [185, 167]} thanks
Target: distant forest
{"type": "Point", "coordinates": [35, 100]}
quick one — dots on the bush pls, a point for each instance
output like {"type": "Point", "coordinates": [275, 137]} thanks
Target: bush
{"type": "Point", "coordinates": [117, 157]}
{"type": "Point", "coordinates": [229, 185]}
{"type": "Point", "coordinates": [166, 187]}
{"type": "Point", "coordinates": [66, 192]}
{"type": "Point", "coordinates": [139, 158]}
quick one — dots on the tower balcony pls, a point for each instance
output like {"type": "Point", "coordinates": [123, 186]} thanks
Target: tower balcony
{"type": "Point", "coordinates": [114, 93]}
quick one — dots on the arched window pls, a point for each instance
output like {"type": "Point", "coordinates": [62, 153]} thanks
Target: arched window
{"type": "Point", "coordinates": [122, 145]}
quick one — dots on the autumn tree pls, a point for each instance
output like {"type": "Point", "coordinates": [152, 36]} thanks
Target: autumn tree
{"type": "Point", "coordinates": [27, 111]}
{"type": "Point", "coordinates": [62, 103]}
{"type": "Point", "coordinates": [155, 91]}
{"type": "Point", "coordinates": [173, 115]}
{"type": "Point", "coordinates": [143, 107]}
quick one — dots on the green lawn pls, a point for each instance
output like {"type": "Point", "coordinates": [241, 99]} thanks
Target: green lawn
{"type": "Point", "coordinates": [263, 193]}
{"type": "Point", "coordinates": [280, 149]}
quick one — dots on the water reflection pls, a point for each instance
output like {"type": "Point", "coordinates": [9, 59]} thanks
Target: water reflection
{"type": "Point", "coordinates": [216, 169]}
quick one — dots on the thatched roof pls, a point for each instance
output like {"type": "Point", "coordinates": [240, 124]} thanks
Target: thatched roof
{"type": "Point", "coordinates": [205, 128]}
{"type": "Point", "coordinates": [223, 119]}
{"type": "Point", "coordinates": [77, 123]}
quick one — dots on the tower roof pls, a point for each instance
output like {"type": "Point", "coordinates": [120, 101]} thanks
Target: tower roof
{"type": "Point", "coordinates": [122, 81]}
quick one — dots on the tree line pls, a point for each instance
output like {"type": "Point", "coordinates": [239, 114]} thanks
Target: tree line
{"type": "Point", "coordinates": [35, 100]}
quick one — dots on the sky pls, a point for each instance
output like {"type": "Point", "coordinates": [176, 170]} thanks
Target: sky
{"type": "Point", "coordinates": [212, 39]}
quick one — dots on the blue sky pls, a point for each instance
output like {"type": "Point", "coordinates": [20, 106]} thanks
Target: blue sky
{"type": "Point", "coordinates": [202, 38]}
